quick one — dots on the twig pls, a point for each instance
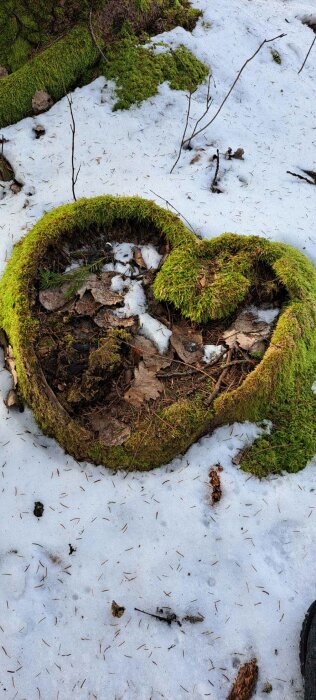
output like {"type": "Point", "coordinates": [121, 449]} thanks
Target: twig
{"type": "Point", "coordinates": [94, 37]}
{"type": "Point", "coordinates": [171, 617]}
{"type": "Point", "coordinates": [176, 210]}
{"type": "Point", "coordinates": [307, 55]}
{"type": "Point", "coordinates": [74, 176]}
{"type": "Point", "coordinates": [220, 379]}
{"type": "Point", "coordinates": [214, 186]}
{"type": "Point", "coordinates": [184, 133]}
{"type": "Point", "coordinates": [301, 177]}
{"type": "Point", "coordinates": [208, 104]}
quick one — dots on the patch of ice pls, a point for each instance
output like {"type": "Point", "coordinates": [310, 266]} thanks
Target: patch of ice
{"type": "Point", "coordinates": [134, 301]}
{"type": "Point", "coordinates": [265, 315]}
{"type": "Point", "coordinates": [155, 331]}
{"type": "Point", "coordinates": [151, 256]}
{"type": "Point", "coordinates": [211, 352]}
{"type": "Point", "coordinates": [123, 252]}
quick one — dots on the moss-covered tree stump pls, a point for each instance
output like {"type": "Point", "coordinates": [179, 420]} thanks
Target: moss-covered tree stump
{"type": "Point", "coordinates": [205, 282]}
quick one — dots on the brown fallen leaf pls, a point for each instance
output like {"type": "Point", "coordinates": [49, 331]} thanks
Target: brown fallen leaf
{"type": "Point", "coordinates": [139, 260]}
{"type": "Point", "coordinates": [54, 298]}
{"type": "Point", "coordinates": [248, 332]}
{"type": "Point", "coordinates": [106, 318]}
{"type": "Point", "coordinates": [145, 349]}
{"type": "Point", "coordinates": [194, 619]}
{"type": "Point", "coordinates": [187, 343]}
{"type": "Point", "coordinates": [9, 362]}
{"type": "Point", "coordinates": [86, 305]}
{"type": "Point", "coordinates": [195, 159]}
{"type": "Point", "coordinates": [100, 288]}
{"type": "Point", "coordinates": [6, 170]}
{"type": "Point", "coordinates": [238, 154]}
{"type": "Point", "coordinates": [111, 431]}
{"type": "Point", "coordinates": [117, 610]}
{"type": "Point", "coordinates": [245, 682]}
{"type": "Point", "coordinates": [13, 400]}
{"type": "Point", "coordinates": [145, 386]}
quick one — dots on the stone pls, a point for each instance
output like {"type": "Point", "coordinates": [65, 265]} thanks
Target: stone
{"type": "Point", "coordinates": [41, 101]}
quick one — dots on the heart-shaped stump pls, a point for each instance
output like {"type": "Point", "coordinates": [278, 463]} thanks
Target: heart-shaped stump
{"type": "Point", "coordinates": [120, 378]}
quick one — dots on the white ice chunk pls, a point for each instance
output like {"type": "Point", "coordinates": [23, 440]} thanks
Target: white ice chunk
{"type": "Point", "coordinates": [211, 352]}
{"type": "Point", "coordinates": [265, 315]}
{"type": "Point", "coordinates": [134, 301]}
{"type": "Point", "coordinates": [151, 256]}
{"type": "Point", "coordinates": [123, 252]}
{"type": "Point", "coordinates": [155, 331]}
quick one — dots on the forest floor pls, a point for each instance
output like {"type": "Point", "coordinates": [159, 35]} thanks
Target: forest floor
{"type": "Point", "coordinates": [238, 574]}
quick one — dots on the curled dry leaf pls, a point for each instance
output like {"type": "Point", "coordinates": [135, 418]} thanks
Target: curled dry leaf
{"type": "Point", "coordinates": [245, 682]}
{"type": "Point", "coordinates": [106, 318]}
{"type": "Point", "coordinates": [145, 386]}
{"type": "Point", "coordinates": [139, 260]}
{"type": "Point", "coordinates": [215, 484]}
{"type": "Point", "coordinates": [111, 431]}
{"type": "Point", "coordinates": [248, 332]}
{"type": "Point", "coordinates": [187, 343]}
{"type": "Point", "coordinates": [54, 298]}
{"type": "Point", "coordinates": [117, 610]}
{"type": "Point", "coordinates": [6, 170]}
{"type": "Point", "coordinates": [145, 349]}
{"type": "Point", "coordinates": [12, 399]}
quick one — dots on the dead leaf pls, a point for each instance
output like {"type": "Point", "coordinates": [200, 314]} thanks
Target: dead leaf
{"type": "Point", "coordinates": [215, 484]}
{"type": "Point", "coordinates": [195, 159]}
{"type": "Point", "coordinates": [239, 154]}
{"type": "Point", "coordinates": [139, 260]}
{"type": "Point", "coordinates": [145, 349]}
{"type": "Point", "coordinates": [54, 298]}
{"type": "Point", "coordinates": [6, 170]}
{"type": "Point", "coordinates": [187, 343]}
{"type": "Point", "coordinates": [248, 333]}
{"type": "Point", "coordinates": [117, 610]}
{"type": "Point", "coordinates": [106, 318]}
{"type": "Point", "coordinates": [245, 682]}
{"type": "Point", "coordinates": [86, 306]}
{"type": "Point", "coordinates": [194, 619]}
{"type": "Point", "coordinates": [10, 364]}
{"type": "Point", "coordinates": [202, 282]}
{"type": "Point", "coordinates": [100, 288]}
{"type": "Point", "coordinates": [12, 399]}
{"type": "Point", "coordinates": [145, 386]}
{"type": "Point", "coordinates": [111, 431]}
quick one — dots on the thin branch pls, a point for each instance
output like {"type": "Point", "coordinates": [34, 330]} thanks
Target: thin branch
{"type": "Point", "coordinates": [184, 133]}
{"type": "Point", "coordinates": [74, 175]}
{"type": "Point", "coordinates": [214, 186]}
{"type": "Point", "coordinates": [301, 177]}
{"type": "Point", "coordinates": [94, 37]}
{"type": "Point", "coordinates": [307, 55]}
{"type": "Point", "coordinates": [208, 104]}
{"type": "Point", "coordinates": [176, 210]}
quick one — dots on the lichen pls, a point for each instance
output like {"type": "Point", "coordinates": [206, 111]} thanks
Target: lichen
{"type": "Point", "coordinates": [198, 276]}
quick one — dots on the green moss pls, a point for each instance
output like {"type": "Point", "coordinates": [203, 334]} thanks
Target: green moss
{"type": "Point", "coordinates": [198, 275]}
{"type": "Point", "coordinates": [139, 71]}
{"type": "Point", "coordinates": [57, 69]}
{"type": "Point", "coordinates": [276, 56]}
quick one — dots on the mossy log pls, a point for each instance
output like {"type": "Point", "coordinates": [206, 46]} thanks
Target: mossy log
{"type": "Point", "coordinates": [278, 389]}
{"type": "Point", "coordinates": [47, 45]}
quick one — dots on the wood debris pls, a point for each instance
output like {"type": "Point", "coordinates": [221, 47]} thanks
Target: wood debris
{"type": "Point", "coordinates": [245, 683]}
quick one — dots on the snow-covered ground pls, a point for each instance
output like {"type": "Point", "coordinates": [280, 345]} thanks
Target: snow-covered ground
{"type": "Point", "coordinates": [247, 565]}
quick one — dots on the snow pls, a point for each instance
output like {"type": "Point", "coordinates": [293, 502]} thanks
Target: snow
{"type": "Point", "coordinates": [123, 252]}
{"type": "Point", "coordinates": [134, 301]}
{"type": "Point", "coordinates": [265, 315]}
{"type": "Point", "coordinates": [153, 539]}
{"type": "Point", "coordinates": [211, 352]}
{"type": "Point", "coordinates": [150, 256]}
{"type": "Point", "coordinates": [155, 331]}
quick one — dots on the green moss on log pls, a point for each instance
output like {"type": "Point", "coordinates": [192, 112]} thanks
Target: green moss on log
{"type": "Point", "coordinates": [55, 70]}
{"type": "Point", "coordinates": [278, 389]}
